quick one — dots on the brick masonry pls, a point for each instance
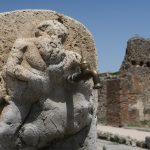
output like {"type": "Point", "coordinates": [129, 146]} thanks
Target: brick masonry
{"type": "Point", "coordinates": [125, 96]}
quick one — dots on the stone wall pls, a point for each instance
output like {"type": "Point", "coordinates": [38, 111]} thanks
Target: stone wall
{"type": "Point", "coordinates": [102, 101]}
{"type": "Point", "coordinates": [126, 99]}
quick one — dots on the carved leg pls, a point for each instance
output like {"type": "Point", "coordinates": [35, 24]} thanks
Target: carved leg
{"type": "Point", "coordinates": [30, 135]}
{"type": "Point", "coordinates": [11, 116]}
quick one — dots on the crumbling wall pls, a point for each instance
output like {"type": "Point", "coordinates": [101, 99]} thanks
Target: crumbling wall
{"type": "Point", "coordinates": [127, 98]}
{"type": "Point", "coordinates": [137, 69]}
{"type": "Point", "coordinates": [113, 101]}
{"type": "Point", "coordinates": [102, 101]}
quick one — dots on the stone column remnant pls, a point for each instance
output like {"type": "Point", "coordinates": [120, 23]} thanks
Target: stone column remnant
{"type": "Point", "coordinates": [39, 108]}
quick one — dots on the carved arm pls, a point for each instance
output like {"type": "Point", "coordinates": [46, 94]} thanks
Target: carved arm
{"type": "Point", "coordinates": [13, 65]}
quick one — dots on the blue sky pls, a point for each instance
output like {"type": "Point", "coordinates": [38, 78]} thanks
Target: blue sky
{"type": "Point", "coordinates": [112, 22]}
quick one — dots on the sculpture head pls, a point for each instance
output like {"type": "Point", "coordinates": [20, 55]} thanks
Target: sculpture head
{"type": "Point", "coordinates": [51, 28]}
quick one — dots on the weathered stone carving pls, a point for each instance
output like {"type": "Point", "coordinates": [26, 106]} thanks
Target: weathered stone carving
{"type": "Point", "coordinates": [39, 104]}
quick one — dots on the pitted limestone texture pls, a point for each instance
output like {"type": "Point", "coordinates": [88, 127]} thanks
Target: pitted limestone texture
{"type": "Point", "coordinates": [39, 107]}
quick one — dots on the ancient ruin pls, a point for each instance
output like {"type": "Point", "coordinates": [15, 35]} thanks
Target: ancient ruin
{"type": "Point", "coordinates": [39, 108]}
{"type": "Point", "coordinates": [125, 96]}
{"type": "Point", "coordinates": [47, 100]}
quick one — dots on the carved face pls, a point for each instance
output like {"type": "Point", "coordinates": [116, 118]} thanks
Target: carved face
{"type": "Point", "coordinates": [52, 28]}
{"type": "Point", "coordinates": [51, 50]}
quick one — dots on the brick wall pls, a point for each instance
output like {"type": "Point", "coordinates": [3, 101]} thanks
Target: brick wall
{"type": "Point", "coordinates": [125, 97]}
{"type": "Point", "coordinates": [124, 100]}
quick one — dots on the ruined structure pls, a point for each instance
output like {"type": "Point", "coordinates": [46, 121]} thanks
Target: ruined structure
{"type": "Point", "coordinates": [125, 96]}
{"type": "Point", "coordinates": [39, 108]}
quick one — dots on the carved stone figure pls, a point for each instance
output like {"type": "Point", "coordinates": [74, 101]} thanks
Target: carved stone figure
{"type": "Point", "coordinates": [42, 106]}
{"type": "Point", "coordinates": [35, 75]}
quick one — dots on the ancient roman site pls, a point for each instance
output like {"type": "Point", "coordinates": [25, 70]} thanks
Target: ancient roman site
{"type": "Point", "coordinates": [53, 98]}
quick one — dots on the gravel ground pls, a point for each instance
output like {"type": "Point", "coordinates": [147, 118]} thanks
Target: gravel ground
{"type": "Point", "coordinates": [114, 146]}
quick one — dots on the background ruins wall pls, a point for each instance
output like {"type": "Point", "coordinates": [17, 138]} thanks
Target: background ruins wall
{"type": "Point", "coordinates": [126, 99]}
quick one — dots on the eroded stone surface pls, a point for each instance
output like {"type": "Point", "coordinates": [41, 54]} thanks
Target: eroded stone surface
{"type": "Point", "coordinates": [39, 108]}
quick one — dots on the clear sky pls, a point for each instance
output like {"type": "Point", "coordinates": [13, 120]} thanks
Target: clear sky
{"type": "Point", "coordinates": [112, 22]}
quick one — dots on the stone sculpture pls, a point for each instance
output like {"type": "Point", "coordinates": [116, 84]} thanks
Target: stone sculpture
{"type": "Point", "coordinates": [40, 109]}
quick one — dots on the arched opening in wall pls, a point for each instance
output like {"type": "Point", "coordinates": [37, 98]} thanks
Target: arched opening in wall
{"type": "Point", "coordinates": [141, 63]}
{"type": "Point", "coordinates": [133, 62]}
{"type": "Point", "coordinates": [148, 64]}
